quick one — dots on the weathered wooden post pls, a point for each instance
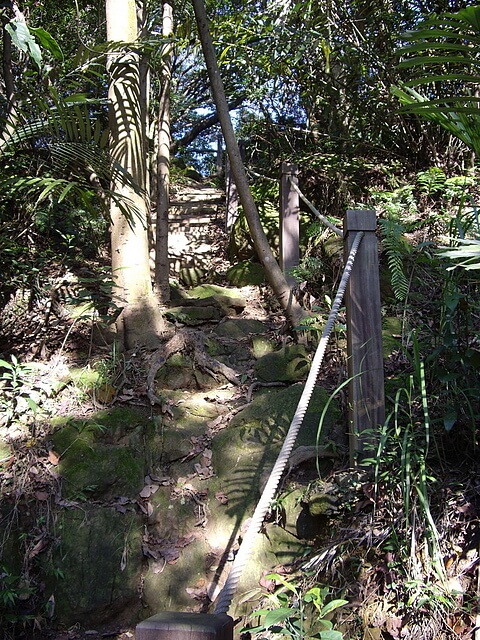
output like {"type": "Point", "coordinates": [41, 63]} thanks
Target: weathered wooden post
{"type": "Point", "coordinates": [231, 189]}
{"type": "Point", "coordinates": [219, 156]}
{"type": "Point", "coordinates": [364, 336]}
{"type": "Point", "coordinates": [289, 221]}
{"type": "Point", "coordinates": [185, 626]}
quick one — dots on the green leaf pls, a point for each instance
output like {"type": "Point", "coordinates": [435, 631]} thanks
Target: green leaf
{"type": "Point", "coordinates": [331, 606]}
{"type": "Point", "coordinates": [32, 404]}
{"type": "Point", "coordinates": [331, 635]}
{"type": "Point", "coordinates": [449, 419]}
{"type": "Point", "coordinates": [47, 42]}
{"type": "Point", "coordinates": [7, 365]}
{"type": "Point", "coordinates": [278, 578]}
{"type": "Point", "coordinates": [275, 616]}
{"type": "Point", "coordinates": [23, 40]}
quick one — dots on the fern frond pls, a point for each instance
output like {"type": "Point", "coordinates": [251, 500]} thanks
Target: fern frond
{"type": "Point", "coordinates": [396, 250]}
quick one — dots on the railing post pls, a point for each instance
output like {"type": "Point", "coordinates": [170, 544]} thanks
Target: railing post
{"type": "Point", "coordinates": [289, 221]}
{"type": "Point", "coordinates": [231, 189]}
{"type": "Point", "coordinates": [169, 625]}
{"type": "Point", "coordinates": [364, 336]}
{"type": "Point", "coordinates": [219, 156]}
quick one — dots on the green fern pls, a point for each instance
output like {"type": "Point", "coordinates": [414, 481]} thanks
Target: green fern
{"type": "Point", "coordinates": [395, 248]}
{"type": "Point", "coordinates": [432, 181]}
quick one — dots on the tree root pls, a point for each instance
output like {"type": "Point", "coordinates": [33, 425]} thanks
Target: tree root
{"type": "Point", "coordinates": [192, 342]}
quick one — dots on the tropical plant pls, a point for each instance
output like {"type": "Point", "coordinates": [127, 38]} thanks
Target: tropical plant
{"type": "Point", "coordinates": [300, 614]}
{"type": "Point", "coordinates": [400, 467]}
{"type": "Point", "coordinates": [442, 56]}
{"type": "Point", "coordinates": [13, 590]}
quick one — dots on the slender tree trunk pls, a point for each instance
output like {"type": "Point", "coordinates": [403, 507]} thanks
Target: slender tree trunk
{"type": "Point", "coordinates": [162, 265]}
{"type": "Point", "coordinates": [142, 13]}
{"type": "Point", "coordinates": [292, 309]}
{"type": "Point", "coordinates": [140, 321]}
{"type": "Point", "coordinates": [11, 116]}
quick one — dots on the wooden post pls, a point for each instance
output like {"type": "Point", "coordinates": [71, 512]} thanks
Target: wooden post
{"type": "Point", "coordinates": [289, 221]}
{"type": "Point", "coordinates": [231, 188]}
{"type": "Point", "coordinates": [364, 336]}
{"type": "Point", "coordinates": [169, 625]}
{"type": "Point", "coordinates": [219, 157]}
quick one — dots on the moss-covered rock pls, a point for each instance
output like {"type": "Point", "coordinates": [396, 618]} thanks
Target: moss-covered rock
{"type": "Point", "coordinates": [214, 291]}
{"type": "Point", "coordinates": [192, 316]}
{"type": "Point", "coordinates": [90, 464]}
{"type": "Point", "coordinates": [240, 328]}
{"type": "Point", "coordinates": [246, 273]}
{"type": "Point", "coordinates": [99, 555]}
{"type": "Point", "coordinates": [191, 276]}
{"type": "Point", "coordinates": [261, 345]}
{"type": "Point", "coordinates": [289, 364]}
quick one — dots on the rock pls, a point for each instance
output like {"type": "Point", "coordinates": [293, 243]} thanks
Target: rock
{"type": "Point", "coordinates": [247, 273]}
{"type": "Point", "coordinates": [191, 276]}
{"type": "Point", "coordinates": [220, 293]}
{"type": "Point", "coordinates": [261, 346]}
{"type": "Point", "coordinates": [258, 432]}
{"type": "Point", "coordinates": [289, 364]}
{"type": "Point", "coordinates": [193, 315]}
{"type": "Point", "coordinates": [240, 328]}
{"type": "Point", "coordinates": [99, 553]}
{"type": "Point", "coordinates": [90, 467]}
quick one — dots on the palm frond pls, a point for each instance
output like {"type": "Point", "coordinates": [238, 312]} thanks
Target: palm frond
{"type": "Point", "coordinates": [69, 136]}
{"type": "Point", "coordinates": [444, 52]}
{"type": "Point", "coordinates": [466, 255]}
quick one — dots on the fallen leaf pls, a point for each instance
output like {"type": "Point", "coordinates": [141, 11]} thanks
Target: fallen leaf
{"type": "Point", "coordinates": [170, 553]}
{"type": "Point", "coordinates": [104, 394]}
{"type": "Point", "coordinates": [38, 548]}
{"type": "Point", "coordinates": [148, 490]}
{"type": "Point", "coordinates": [221, 497]}
{"type": "Point", "coordinates": [41, 495]}
{"type": "Point", "coordinates": [197, 593]}
{"type": "Point", "coordinates": [67, 503]}
{"type": "Point", "coordinates": [149, 552]}
{"type": "Point", "coordinates": [157, 566]}
{"type": "Point", "coordinates": [267, 583]}
{"type": "Point", "coordinates": [466, 509]}
{"type": "Point", "coordinates": [394, 626]}
{"type": "Point", "coordinates": [184, 541]}
{"type": "Point", "coordinates": [161, 480]}
{"type": "Point", "coordinates": [53, 457]}
{"type": "Point", "coordinates": [216, 422]}
{"type": "Point", "coordinates": [204, 472]}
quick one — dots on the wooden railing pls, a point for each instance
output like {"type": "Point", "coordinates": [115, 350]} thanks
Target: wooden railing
{"type": "Point", "coordinates": [363, 305]}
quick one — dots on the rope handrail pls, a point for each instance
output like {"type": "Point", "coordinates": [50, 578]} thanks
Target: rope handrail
{"type": "Point", "coordinates": [312, 207]}
{"type": "Point", "coordinates": [263, 505]}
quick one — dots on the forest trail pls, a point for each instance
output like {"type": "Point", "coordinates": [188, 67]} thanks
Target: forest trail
{"type": "Point", "coordinates": [196, 221]}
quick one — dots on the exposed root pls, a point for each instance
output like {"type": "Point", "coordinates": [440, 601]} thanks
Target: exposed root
{"type": "Point", "coordinates": [193, 343]}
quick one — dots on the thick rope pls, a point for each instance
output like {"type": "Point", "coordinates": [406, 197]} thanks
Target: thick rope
{"type": "Point", "coordinates": [312, 207]}
{"type": "Point", "coordinates": [230, 586]}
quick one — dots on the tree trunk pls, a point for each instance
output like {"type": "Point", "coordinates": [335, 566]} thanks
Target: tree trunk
{"type": "Point", "coordinates": [140, 321]}
{"type": "Point", "coordinates": [292, 309]}
{"type": "Point", "coordinates": [11, 116]}
{"type": "Point", "coordinates": [162, 265]}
